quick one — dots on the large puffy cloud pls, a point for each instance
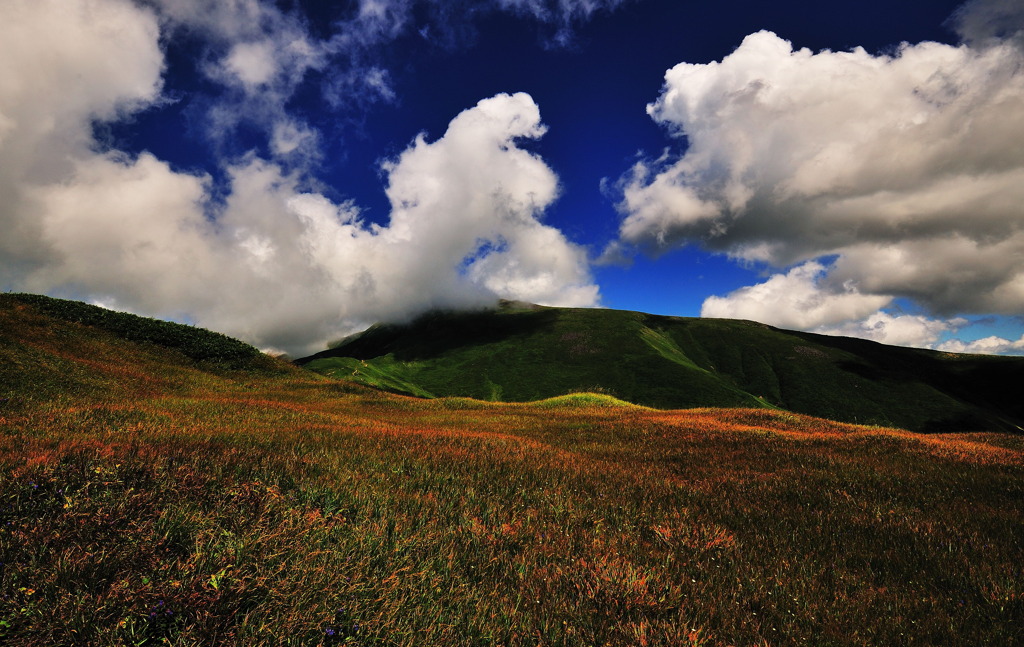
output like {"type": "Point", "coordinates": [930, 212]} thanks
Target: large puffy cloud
{"type": "Point", "coordinates": [906, 168]}
{"type": "Point", "coordinates": [62, 65]}
{"type": "Point", "coordinates": [269, 260]}
{"type": "Point", "coordinates": [793, 154]}
{"type": "Point", "coordinates": [474, 197]}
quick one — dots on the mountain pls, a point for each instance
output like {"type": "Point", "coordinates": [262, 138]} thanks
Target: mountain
{"type": "Point", "coordinates": [521, 352]}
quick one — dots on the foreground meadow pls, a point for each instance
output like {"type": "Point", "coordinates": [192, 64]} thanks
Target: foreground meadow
{"type": "Point", "coordinates": [145, 500]}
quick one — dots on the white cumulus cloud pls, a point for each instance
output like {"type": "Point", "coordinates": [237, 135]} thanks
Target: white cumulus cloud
{"type": "Point", "coordinates": [986, 346]}
{"type": "Point", "coordinates": [62, 64]}
{"type": "Point", "coordinates": [796, 299]}
{"type": "Point", "coordinates": [897, 330]}
{"type": "Point", "coordinates": [906, 168]}
{"type": "Point", "coordinates": [808, 297]}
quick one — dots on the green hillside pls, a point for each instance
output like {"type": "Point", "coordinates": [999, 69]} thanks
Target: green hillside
{"type": "Point", "coordinates": [524, 353]}
{"type": "Point", "coordinates": [112, 352]}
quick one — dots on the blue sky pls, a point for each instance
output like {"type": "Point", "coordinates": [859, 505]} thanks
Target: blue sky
{"type": "Point", "coordinates": [288, 172]}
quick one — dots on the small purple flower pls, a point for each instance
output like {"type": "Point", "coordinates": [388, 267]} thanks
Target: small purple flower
{"type": "Point", "coordinates": [329, 632]}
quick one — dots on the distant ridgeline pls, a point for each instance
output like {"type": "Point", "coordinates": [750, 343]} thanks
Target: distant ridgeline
{"type": "Point", "coordinates": [521, 352]}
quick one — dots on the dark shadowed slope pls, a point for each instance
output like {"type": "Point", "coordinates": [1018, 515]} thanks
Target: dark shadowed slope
{"type": "Point", "coordinates": [521, 353]}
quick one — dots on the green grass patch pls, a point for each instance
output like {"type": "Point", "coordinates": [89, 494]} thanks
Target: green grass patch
{"type": "Point", "coordinates": [584, 401]}
{"type": "Point", "coordinates": [385, 373]}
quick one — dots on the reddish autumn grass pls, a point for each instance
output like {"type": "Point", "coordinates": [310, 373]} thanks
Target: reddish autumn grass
{"type": "Point", "coordinates": [161, 503]}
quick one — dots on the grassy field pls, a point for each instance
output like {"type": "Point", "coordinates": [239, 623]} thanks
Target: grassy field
{"type": "Point", "coordinates": [150, 497]}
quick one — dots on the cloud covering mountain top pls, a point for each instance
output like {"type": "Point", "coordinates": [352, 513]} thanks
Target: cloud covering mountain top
{"type": "Point", "coordinates": [273, 261]}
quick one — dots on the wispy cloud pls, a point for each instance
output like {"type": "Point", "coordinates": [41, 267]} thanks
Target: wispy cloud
{"type": "Point", "coordinates": [256, 56]}
{"type": "Point", "coordinates": [562, 15]}
{"type": "Point", "coordinates": [259, 55]}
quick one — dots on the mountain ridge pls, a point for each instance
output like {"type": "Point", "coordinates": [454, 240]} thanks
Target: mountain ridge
{"type": "Point", "coordinates": [522, 353]}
